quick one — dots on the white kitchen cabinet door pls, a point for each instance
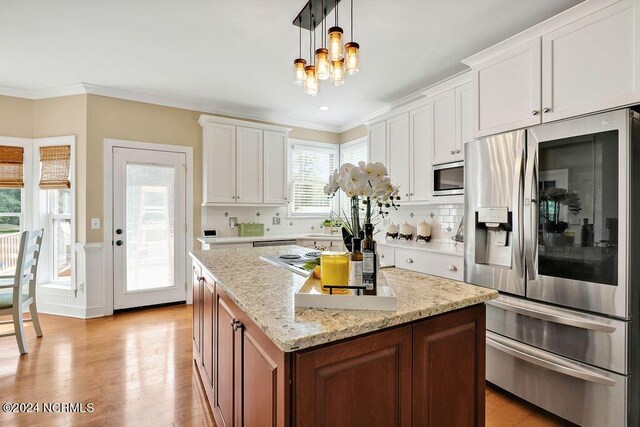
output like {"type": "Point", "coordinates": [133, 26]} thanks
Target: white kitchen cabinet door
{"type": "Point", "coordinates": [507, 90]}
{"type": "Point", "coordinates": [219, 163]}
{"type": "Point", "coordinates": [249, 165]}
{"type": "Point", "coordinates": [442, 127]}
{"type": "Point", "coordinates": [275, 167]}
{"type": "Point", "coordinates": [592, 64]}
{"type": "Point", "coordinates": [377, 143]}
{"type": "Point", "coordinates": [420, 159]}
{"type": "Point", "coordinates": [464, 118]}
{"type": "Point", "coordinates": [398, 153]}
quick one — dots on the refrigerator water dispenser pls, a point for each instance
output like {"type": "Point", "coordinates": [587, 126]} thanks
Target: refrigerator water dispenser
{"type": "Point", "coordinates": [493, 227]}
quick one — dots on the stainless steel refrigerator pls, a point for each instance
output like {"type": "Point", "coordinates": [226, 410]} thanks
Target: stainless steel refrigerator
{"type": "Point", "coordinates": [552, 221]}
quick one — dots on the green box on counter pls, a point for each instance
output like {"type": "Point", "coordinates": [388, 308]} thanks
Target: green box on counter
{"type": "Point", "coordinates": [250, 230]}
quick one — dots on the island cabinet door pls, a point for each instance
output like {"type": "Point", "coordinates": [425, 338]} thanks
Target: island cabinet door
{"type": "Point", "coordinates": [361, 382]}
{"type": "Point", "coordinates": [197, 312]}
{"type": "Point", "coordinates": [252, 375]}
{"type": "Point", "coordinates": [224, 407]}
{"type": "Point", "coordinates": [208, 310]}
{"type": "Point", "coordinates": [448, 369]}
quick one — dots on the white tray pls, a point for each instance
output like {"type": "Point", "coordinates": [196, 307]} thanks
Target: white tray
{"type": "Point", "coordinates": [311, 295]}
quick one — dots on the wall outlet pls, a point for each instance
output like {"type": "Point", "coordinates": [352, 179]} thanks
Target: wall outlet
{"type": "Point", "coordinates": [233, 221]}
{"type": "Point", "coordinates": [95, 223]}
{"type": "Point", "coordinates": [276, 220]}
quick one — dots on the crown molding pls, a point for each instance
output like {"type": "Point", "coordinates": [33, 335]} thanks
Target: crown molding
{"type": "Point", "coordinates": [91, 89]}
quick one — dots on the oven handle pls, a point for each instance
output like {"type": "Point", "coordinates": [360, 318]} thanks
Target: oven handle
{"type": "Point", "coordinates": [531, 216]}
{"type": "Point", "coordinates": [555, 318]}
{"type": "Point", "coordinates": [518, 230]}
{"type": "Point", "coordinates": [551, 364]}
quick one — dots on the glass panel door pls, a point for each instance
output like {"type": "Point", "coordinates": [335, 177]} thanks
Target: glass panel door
{"type": "Point", "coordinates": [578, 208]}
{"type": "Point", "coordinates": [10, 227]}
{"type": "Point", "coordinates": [149, 227]}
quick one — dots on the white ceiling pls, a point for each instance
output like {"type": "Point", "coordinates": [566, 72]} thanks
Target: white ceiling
{"type": "Point", "coordinates": [237, 55]}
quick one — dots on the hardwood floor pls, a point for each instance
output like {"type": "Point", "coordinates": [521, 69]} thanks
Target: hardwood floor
{"type": "Point", "coordinates": [136, 369]}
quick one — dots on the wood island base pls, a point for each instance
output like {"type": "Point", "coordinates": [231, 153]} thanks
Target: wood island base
{"type": "Point", "coordinates": [429, 372]}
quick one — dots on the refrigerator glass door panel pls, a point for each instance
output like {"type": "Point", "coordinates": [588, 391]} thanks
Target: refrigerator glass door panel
{"type": "Point", "coordinates": [596, 340]}
{"type": "Point", "coordinates": [576, 202]}
{"type": "Point", "coordinates": [494, 240]}
{"type": "Point", "coordinates": [582, 394]}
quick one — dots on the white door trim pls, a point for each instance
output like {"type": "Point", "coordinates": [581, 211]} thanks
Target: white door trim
{"type": "Point", "coordinates": [108, 210]}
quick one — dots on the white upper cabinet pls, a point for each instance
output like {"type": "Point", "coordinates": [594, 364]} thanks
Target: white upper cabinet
{"type": "Point", "coordinates": [579, 62]}
{"type": "Point", "coordinates": [275, 167]}
{"type": "Point", "coordinates": [219, 163]}
{"type": "Point", "coordinates": [591, 64]}
{"type": "Point", "coordinates": [464, 116]}
{"type": "Point", "coordinates": [506, 90]}
{"type": "Point", "coordinates": [398, 153]}
{"type": "Point", "coordinates": [420, 158]}
{"type": "Point", "coordinates": [443, 127]}
{"type": "Point", "coordinates": [249, 165]}
{"type": "Point", "coordinates": [242, 162]}
{"type": "Point", "coordinates": [377, 143]}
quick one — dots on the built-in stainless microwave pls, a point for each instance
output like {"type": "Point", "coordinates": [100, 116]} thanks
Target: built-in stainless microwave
{"type": "Point", "coordinates": [448, 179]}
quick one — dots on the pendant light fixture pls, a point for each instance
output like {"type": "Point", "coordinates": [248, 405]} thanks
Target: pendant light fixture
{"type": "Point", "coordinates": [323, 66]}
{"type": "Point", "coordinates": [351, 51]}
{"type": "Point", "coordinates": [299, 63]}
{"type": "Point", "coordinates": [332, 59]}
{"type": "Point", "coordinates": [311, 80]}
{"type": "Point", "coordinates": [335, 39]}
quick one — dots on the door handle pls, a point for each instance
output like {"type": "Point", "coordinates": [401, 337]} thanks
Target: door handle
{"type": "Point", "coordinates": [518, 231]}
{"type": "Point", "coordinates": [531, 216]}
{"type": "Point", "coordinates": [553, 364]}
{"type": "Point", "coordinates": [566, 319]}
{"type": "Point", "coordinates": [119, 242]}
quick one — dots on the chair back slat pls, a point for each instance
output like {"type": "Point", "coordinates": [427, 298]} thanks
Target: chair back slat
{"type": "Point", "coordinates": [27, 264]}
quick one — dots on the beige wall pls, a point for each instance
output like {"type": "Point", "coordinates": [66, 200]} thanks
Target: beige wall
{"type": "Point", "coordinates": [353, 133]}
{"type": "Point", "coordinates": [16, 117]}
{"type": "Point", "coordinates": [93, 118]}
{"type": "Point", "coordinates": [121, 119]}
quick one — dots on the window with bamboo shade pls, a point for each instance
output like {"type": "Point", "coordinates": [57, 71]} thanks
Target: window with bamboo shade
{"type": "Point", "coordinates": [55, 163]}
{"type": "Point", "coordinates": [11, 169]}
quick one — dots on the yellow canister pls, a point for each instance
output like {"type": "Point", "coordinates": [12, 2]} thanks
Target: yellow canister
{"type": "Point", "coordinates": [334, 268]}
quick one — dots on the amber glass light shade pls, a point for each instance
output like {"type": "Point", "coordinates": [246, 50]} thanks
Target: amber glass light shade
{"type": "Point", "coordinates": [351, 55]}
{"type": "Point", "coordinates": [336, 52]}
{"type": "Point", "coordinates": [311, 81]}
{"type": "Point", "coordinates": [323, 66]}
{"type": "Point", "coordinates": [298, 71]}
{"type": "Point", "coordinates": [337, 72]}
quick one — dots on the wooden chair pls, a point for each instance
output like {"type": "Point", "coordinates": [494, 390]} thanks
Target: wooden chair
{"type": "Point", "coordinates": [14, 303]}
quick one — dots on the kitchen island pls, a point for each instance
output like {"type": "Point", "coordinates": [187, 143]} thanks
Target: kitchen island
{"type": "Point", "coordinates": [263, 361]}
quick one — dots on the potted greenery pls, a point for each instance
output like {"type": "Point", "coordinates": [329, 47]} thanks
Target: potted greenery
{"type": "Point", "coordinates": [332, 225]}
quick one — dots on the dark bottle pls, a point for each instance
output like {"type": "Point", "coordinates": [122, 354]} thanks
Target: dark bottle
{"type": "Point", "coordinates": [586, 233]}
{"type": "Point", "coordinates": [369, 261]}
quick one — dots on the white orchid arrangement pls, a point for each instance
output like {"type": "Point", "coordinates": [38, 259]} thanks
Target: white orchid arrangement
{"type": "Point", "coordinates": [367, 181]}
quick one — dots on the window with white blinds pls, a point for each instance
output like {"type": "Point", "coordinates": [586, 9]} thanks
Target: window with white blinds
{"type": "Point", "coordinates": [310, 167]}
{"type": "Point", "coordinates": [351, 152]}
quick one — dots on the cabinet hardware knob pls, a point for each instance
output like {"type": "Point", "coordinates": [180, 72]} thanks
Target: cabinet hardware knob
{"type": "Point", "coordinates": [409, 261]}
{"type": "Point", "coordinates": [452, 152]}
{"type": "Point", "coordinates": [201, 279]}
{"type": "Point", "coordinates": [119, 231]}
{"type": "Point", "coordinates": [406, 195]}
{"type": "Point", "coordinates": [535, 112]}
{"type": "Point", "coordinates": [381, 255]}
{"type": "Point", "coordinates": [457, 151]}
{"type": "Point", "coordinates": [233, 322]}
{"type": "Point", "coordinates": [237, 325]}
{"type": "Point", "coordinates": [453, 268]}
{"type": "Point", "coordinates": [119, 242]}
{"type": "Point", "coordinates": [546, 110]}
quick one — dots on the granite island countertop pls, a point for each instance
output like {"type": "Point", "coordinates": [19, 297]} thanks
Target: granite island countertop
{"type": "Point", "coordinates": [266, 294]}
